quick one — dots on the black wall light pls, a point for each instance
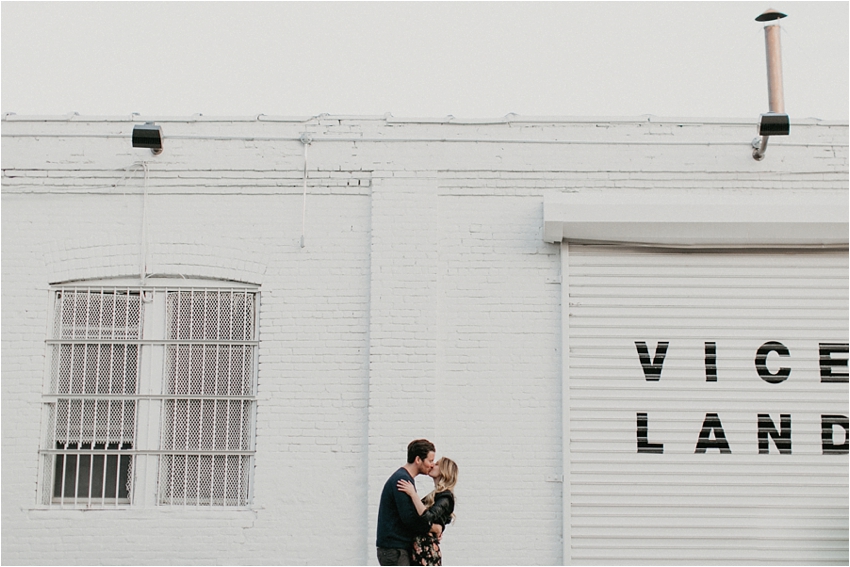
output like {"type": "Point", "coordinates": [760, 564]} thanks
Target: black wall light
{"type": "Point", "coordinates": [148, 135]}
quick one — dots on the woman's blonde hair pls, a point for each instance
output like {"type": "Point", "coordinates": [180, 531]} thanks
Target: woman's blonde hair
{"type": "Point", "coordinates": [447, 480]}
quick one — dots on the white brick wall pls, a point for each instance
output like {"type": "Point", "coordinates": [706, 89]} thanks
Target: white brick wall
{"type": "Point", "coordinates": [425, 303]}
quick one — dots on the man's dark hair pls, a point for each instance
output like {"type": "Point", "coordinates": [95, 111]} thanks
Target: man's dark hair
{"type": "Point", "coordinates": [419, 448]}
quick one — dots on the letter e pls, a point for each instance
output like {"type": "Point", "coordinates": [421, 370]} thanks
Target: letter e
{"type": "Point", "coordinates": [828, 364]}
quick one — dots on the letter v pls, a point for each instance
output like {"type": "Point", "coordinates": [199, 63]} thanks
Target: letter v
{"type": "Point", "coordinates": [652, 370]}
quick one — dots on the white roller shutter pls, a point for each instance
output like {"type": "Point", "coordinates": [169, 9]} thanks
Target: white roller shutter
{"type": "Point", "coordinates": [755, 362]}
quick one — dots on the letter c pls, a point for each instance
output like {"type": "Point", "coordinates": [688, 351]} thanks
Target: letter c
{"type": "Point", "coordinates": [761, 362]}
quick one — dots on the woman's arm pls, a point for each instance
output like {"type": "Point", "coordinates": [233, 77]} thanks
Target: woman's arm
{"type": "Point", "coordinates": [408, 488]}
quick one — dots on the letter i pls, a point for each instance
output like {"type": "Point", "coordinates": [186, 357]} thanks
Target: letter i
{"type": "Point", "coordinates": [711, 362]}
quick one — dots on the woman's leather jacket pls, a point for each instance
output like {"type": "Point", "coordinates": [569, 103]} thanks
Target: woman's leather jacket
{"type": "Point", "coordinates": [441, 511]}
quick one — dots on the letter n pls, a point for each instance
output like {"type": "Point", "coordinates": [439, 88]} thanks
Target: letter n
{"type": "Point", "coordinates": [709, 425]}
{"type": "Point", "coordinates": [781, 438]}
{"type": "Point", "coordinates": [828, 434]}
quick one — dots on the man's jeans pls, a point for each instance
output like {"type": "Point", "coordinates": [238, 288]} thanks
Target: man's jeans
{"type": "Point", "coordinates": [387, 556]}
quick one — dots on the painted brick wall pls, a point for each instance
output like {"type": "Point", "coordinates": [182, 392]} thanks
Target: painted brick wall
{"type": "Point", "coordinates": [424, 303]}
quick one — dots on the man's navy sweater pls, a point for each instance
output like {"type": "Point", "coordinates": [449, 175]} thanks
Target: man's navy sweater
{"type": "Point", "coordinates": [398, 522]}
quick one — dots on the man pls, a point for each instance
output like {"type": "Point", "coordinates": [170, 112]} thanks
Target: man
{"type": "Point", "coordinates": [398, 521]}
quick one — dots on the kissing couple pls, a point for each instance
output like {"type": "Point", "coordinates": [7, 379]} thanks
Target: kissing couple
{"type": "Point", "coordinates": [410, 529]}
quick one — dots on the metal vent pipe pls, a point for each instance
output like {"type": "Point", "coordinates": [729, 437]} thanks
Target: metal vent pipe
{"type": "Point", "coordinates": [776, 122]}
{"type": "Point", "coordinates": [774, 60]}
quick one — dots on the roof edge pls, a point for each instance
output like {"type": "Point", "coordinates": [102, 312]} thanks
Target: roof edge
{"type": "Point", "coordinates": [390, 119]}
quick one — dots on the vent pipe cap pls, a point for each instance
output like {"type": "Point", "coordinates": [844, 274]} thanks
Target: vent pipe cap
{"type": "Point", "coordinates": [770, 15]}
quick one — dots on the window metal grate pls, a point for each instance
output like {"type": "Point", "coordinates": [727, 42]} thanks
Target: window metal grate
{"type": "Point", "coordinates": [215, 410]}
{"type": "Point", "coordinates": [204, 480]}
{"type": "Point", "coordinates": [206, 425]}
{"type": "Point", "coordinates": [92, 474]}
{"type": "Point", "coordinates": [215, 369]}
{"type": "Point", "coordinates": [92, 438]}
{"type": "Point", "coordinates": [185, 359]}
{"type": "Point", "coordinates": [211, 314]}
{"type": "Point", "coordinates": [98, 314]}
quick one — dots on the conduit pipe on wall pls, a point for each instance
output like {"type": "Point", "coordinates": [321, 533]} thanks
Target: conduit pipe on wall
{"type": "Point", "coordinates": [305, 139]}
{"type": "Point", "coordinates": [143, 252]}
{"type": "Point", "coordinates": [438, 140]}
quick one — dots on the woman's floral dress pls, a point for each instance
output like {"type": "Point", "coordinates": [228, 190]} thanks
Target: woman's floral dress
{"type": "Point", "coordinates": [426, 548]}
{"type": "Point", "coordinates": [426, 551]}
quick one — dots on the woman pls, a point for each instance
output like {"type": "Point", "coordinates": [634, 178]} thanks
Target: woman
{"type": "Point", "coordinates": [437, 508]}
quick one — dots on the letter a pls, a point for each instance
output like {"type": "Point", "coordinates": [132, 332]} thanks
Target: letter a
{"type": "Point", "coordinates": [712, 424]}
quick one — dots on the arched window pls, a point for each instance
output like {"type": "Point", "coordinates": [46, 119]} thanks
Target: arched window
{"type": "Point", "coordinates": [152, 394]}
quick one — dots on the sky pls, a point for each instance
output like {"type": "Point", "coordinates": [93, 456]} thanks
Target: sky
{"type": "Point", "coordinates": [419, 59]}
